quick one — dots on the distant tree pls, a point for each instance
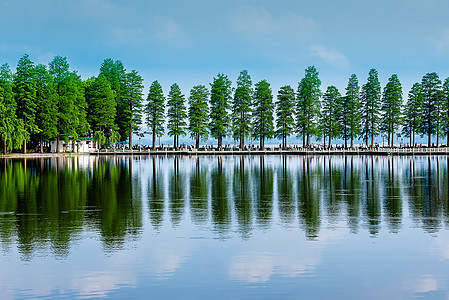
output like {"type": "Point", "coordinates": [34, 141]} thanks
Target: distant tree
{"type": "Point", "coordinates": [308, 104]}
{"type": "Point", "coordinates": [155, 110]}
{"type": "Point", "coordinates": [439, 112]}
{"type": "Point", "coordinates": [114, 138]}
{"type": "Point", "coordinates": [198, 113]}
{"type": "Point", "coordinates": [99, 138]}
{"type": "Point", "coordinates": [220, 96]}
{"type": "Point", "coordinates": [350, 117]}
{"type": "Point", "coordinates": [285, 110]}
{"type": "Point", "coordinates": [445, 118]}
{"type": "Point", "coordinates": [132, 110]}
{"type": "Point", "coordinates": [413, 113]}
{"type": "Point", "coordinates": [242, 108]}
{"type": "Point", "coordinates": [176, 114]}
{"type": "Point", "coordinates": [101, 104]}
{"type": "Point", "coordinates": [115, 73]}
{"type": "Point", "coordinates": [25, 94]}
{"type": "Point", "coordinates": [330, 113]}
{"type": "Point", "coordinates": [430, 84]}
{"type": "Point", "coordinates": [263, 112]}
{"type": "Point", "coordinates": [47, 106]}
{"type": "Point", "coordinates": [392, 108]}
{"type": "Point", "coordinates": [371, 104]}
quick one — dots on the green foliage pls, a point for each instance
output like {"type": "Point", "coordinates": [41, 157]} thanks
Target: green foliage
{"type": "Point", "coordinates": [25, 94]}
{"type": "Point", "coordinates": [371, 105]}
{"type": "Point", "coordinates": [198, 113]}
{"type": "Point", "coordinates": [220, 96]}
{"type": "Point", "coordinates": [330, 113]}
{"type": "Point", "coordinates": [155, 109]}
{"type": "Point", "coordinates": [263, 112]}
{"type": "Point", "coordinates": [47, 100]}
{"type": "Point", "coordinates": [285, 110]}
{"type": "Point", "coordinates": [101, 104]}
{"type": "Point", "coordinates": [99, 138]}
{"type": "Point", "coordinates": [431, 84]}
{"type": "Point", "coordinates": [445, 108]}
{"type": "Point", "coordinates": [308, 104]}
{"type": "Point", "coordinates": [413, 112]}
{"type": "Point", "coordinates": [176, 114]}
{"type": "Point", "coordinates": [392, 107]}
{"type": "Point", "coordinates": [132, 110]}
{"type": "Point", "coordinates": [350, 117]}
{"type": "Point", "coordinates": [115, 137]}
{"type": "Point", "coordinates": [242, 108]}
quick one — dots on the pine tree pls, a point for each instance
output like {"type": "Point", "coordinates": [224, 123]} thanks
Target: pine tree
{"type": "Point", "coordinates": [330, 113]}
{"type": "Point", "coordinates": [25, 94]}
{"type": "Point", "coordinates": [242, 108]}
{"type": "Point", "coordinates": [115, 72]}
{"type": "Point", "coordinates": [413, 113]}
{"type": "Point", "coordinates": [445, 119]}
{"type": "Point", "coordinates": [101, 104]}
{"type": "Point", "coordinates": [263, 112]}
{"type": "Point", "coordinates": [350, 117]}
{"type": "Point", "coordinates": [155, 110]}
{"type": "Point", "coordinates": [285, 110]}
{"type": "Point", "coordinates": [220, 96]}
{"type": "Point", "coordinates": [47, 108]}
{"type": "Point", "coordinates": [371, 105]}
{"type": "Point", "coordinates": [132, 106]}
{"type": "Point", "coordinates": [198, 113]}
{"type": "Point", "coordinates": [430, 85]}
{"type": "Point", "coordinates": [308, 104]}
{"type": "Point", "coordinates": [176, 114]}
{"type": "Point", "coordinates": [392, 107]}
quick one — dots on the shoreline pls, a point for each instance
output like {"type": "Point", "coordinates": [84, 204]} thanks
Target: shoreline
{"type": "Point", "coordinates": [383, 152]}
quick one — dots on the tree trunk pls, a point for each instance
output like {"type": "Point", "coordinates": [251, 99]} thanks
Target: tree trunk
{"type": "Point", "coordinates": [428, 139]}
{"type": "Point", "coordinates": [447, 142]}
{"type": "Point", "coordinates": [197, 144]}
{"type": "Point", "coordinates": [308, 139]}
{"type": "Point", "coordinates": [4, 147]}
{"type": "Point", "coordinates": [174, 143]}
{"type": "Point", "coordinates": [392, 141]}
{"type": "Point", "coordinates": [242, 142]}
{"type": "Point", "coordinates": [438, 139]}
{"type": "Point", "coordinates": [131, 140]}
{"type": "Point", "coordinates": [24, 147]}
{"type": "Point", "coordinates": [154, 137]}
{"type": "Point", "coordinates": [352, 141]}
{"type": "Point", "coordinates": [303, 140]}
{"type": "Point", "coordinates": [42, 144]}
{"type": "Point", "coordinates": [413, 137]}
{"type": "Point", "coordinates": [329, 146]}
{"type": "Point", "coordinates": [220, 141]}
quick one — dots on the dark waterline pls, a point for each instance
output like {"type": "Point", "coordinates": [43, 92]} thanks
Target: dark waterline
{"type": "Point", "coordinates": [339, 227]}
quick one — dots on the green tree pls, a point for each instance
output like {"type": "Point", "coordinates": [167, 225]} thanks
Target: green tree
{"type": "Point", "coordinates": [371, 105]}
{"type": "Point", "coordinates": [155, 110]}
{"type": "Point", "coordinates": [115, 73]}
{"type": "Point", "coordinates": [114, 138]}
{"type": "Point", "coordinates": [430, 85]}
{"type": "Point", "coordinates": [308, 104]}
{"type": "Point", "coordinates": [25, 94]}
{"type": "Point", "coordinates": [99, 138]}
{"type": "Point", "coordinates": [47, 108]}
{"type": "Point", "coordinates": [101, 105]}
{"type": "Point", "coordinates": [242, 108]}
{"type": "Point", "coordinates": [176, 114]}
{"type": "Point", "coordinates": [263, 112]}
{"type": "Point", "coordinates": [285, 110]}
{"type": "Point", "coordinates": [220, 96]}
{"type": "Point", "coordinates": [392, 107]}
{"type": "Point", "coordinates": [330, 113]}
{"type": "Point", "coordinates": [350, 117]}
{"type": "Point", "coordinates": [11, 128]}
{"type": "Point", "coordinates": [445, 118]}
{"type": "Point", "coordinates": [439, 112]}
{"type": "Point", "coordinates": [413, 113]}
{"type": "Point", "coordinates": [198, 113]}
{"type": "Point", "coordinates": [132, 114]}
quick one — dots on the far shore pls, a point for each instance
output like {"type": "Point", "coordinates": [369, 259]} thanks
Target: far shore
{"type": "Point", "coordinates": [193, 152]}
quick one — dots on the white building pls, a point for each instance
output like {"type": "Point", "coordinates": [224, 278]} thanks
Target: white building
{"type": "Point", "coordinates": [83, 144]}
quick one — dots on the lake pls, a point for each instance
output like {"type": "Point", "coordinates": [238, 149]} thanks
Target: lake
{"type": "Point", "coordinates": [225, 227]}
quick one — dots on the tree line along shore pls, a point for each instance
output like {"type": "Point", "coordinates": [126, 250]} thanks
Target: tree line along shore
{"type": "Point", "coordinates": [44, 103]}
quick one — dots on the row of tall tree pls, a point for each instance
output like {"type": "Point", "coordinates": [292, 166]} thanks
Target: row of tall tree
{"type": "Point", "coordinates": [39, 103]}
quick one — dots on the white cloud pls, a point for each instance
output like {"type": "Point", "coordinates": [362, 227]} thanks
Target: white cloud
{"type": "Point", "coordinates": [166, 28]}
{"type": "Point", "coordinates": [441, 43]}
{"type": "Point", "coordinates": [257, 22]}
{"type": "Point", "coordinates": [330, 55]}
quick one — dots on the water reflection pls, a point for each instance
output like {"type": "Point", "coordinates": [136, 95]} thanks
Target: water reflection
{"type": "Point", "coordinates": [48, 204]}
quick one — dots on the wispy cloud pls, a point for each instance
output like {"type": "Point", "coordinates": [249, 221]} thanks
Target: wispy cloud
{"type": "Point", "coordinates": [441, 43]}
{"type": "Point", "coordinates": [167, 29]}
{"type": "Point", "coordinates": [330, 55]}
{"type": "Point", "coordinates": [257, 22]}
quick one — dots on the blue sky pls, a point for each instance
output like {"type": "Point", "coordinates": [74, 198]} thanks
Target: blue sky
{"type": "Point", "coordinates": [190, 42]}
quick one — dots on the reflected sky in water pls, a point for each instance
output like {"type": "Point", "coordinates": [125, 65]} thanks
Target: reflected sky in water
{"type": "Point", "coordinates": [231, 227]}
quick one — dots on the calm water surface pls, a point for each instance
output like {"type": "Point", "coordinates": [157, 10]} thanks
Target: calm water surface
{"type": "Point", "coordinates": [265, 227]}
